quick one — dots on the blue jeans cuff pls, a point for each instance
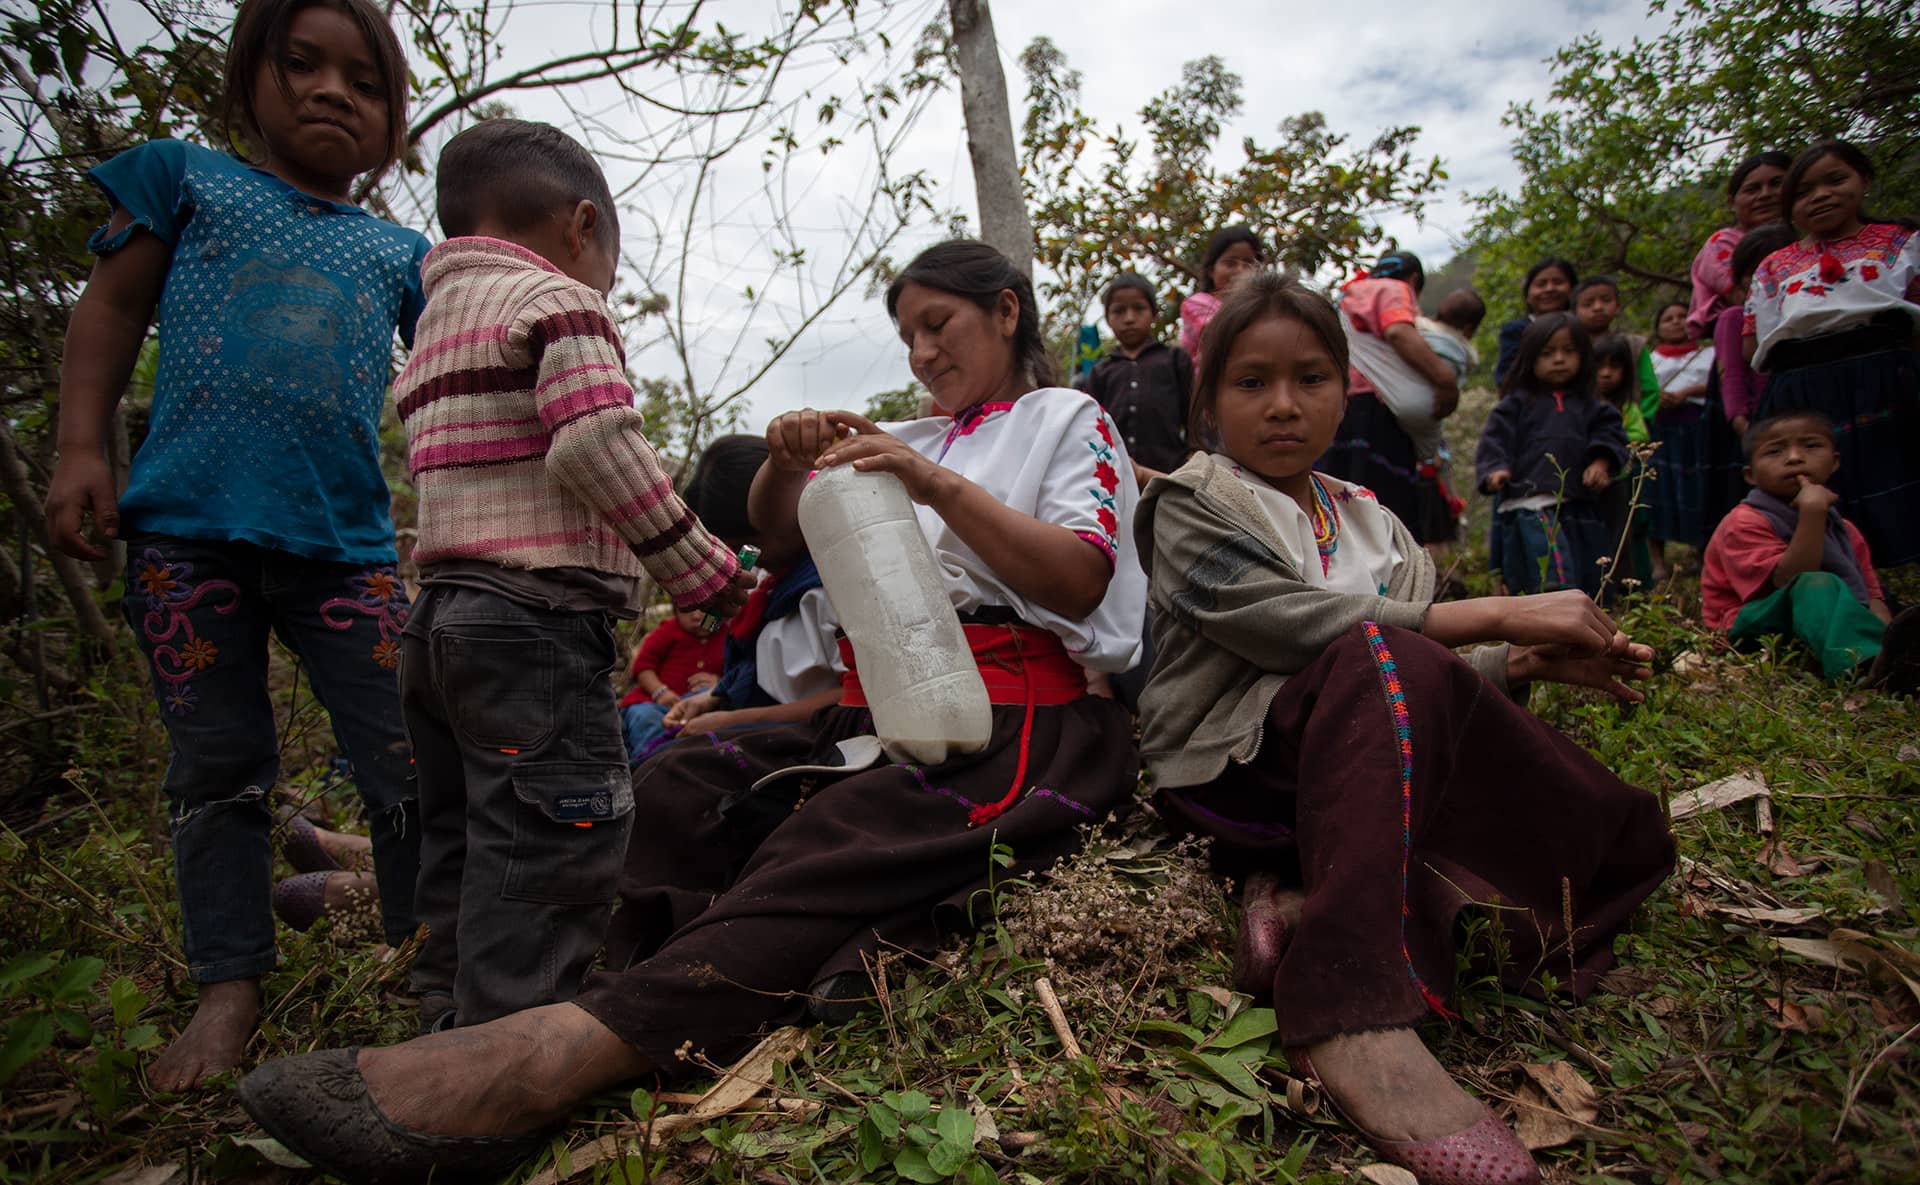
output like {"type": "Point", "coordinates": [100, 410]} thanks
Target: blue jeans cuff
{"type": "Point", "coordinates": [226, 970]}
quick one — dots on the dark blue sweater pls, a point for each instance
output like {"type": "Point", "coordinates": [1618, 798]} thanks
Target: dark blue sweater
{"type": "Point", "coordinates": [1539, 436]}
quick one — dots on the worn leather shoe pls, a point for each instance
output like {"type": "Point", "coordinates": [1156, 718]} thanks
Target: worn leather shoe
{"type": "Point", "coordinates": [317, 1105]}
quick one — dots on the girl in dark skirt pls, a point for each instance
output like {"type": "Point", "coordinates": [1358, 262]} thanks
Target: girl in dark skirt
{"type": "Point", "coordinates": [1305, 708]}
{"type": "Point", "coordinates": [1832, 318]}
{"type": "Point", "coordinates": [1678, 423]}
{"type": "Point", "coordinates": [736, 900]}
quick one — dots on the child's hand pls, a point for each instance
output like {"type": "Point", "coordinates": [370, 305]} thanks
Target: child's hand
{"type": "Point", "coordinates": [1597, 475]}
{"type": "Point", "coordinates": [701, 681]}
{"type": "Point", "coordinates": [1813, 497]}
{"type": "Point", "coordinates": [1608, 672]}
{"type": "Point", "coordinates": [1669, 400]}
{"type": "Point", "coordinates": [1498, 479]}
{"type": "Point", "coordinates": [1568, 619]}
{"type": "Point", "coordinates": [666, 697]}
{"type": "Point", "coordinates": [82, 484]}
{"type": "Point", "coordinates": [688, 709]}
{"type": "Point", "coordinates": [870, 450]}
{"type": "Point", "coordinates": [1739, 425]}
{"type": "Point", "coordinates": [796, 440]}
{"type": "Point", "coordinates": [711, 722]}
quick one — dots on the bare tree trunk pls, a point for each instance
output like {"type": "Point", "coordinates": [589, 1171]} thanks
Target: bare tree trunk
{"type": "Point", "coordinates": [983, 100]}
{"type": "Point", "coordinates": [19, 487]}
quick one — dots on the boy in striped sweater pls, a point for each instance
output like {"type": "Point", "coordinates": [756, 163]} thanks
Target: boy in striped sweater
{"type": "Point", "coordinates": [541, 506]}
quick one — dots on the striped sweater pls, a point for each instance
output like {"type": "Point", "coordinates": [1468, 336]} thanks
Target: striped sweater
{"type": "Point", "coordinates": [522, 437]}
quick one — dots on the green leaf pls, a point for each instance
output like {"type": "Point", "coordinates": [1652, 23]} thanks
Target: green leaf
{"type": "Point", "coordinates": [76, 41]}
{"type": "Point", "coordinates": [913, 1105]}
{"type": "Point", "coordinates": [1250, 1025]}
{"type": "Point", "coordinates": [912, 1164]}
{"type": "Point", "coordinates": [24, 968]}
{"type": "Point", "coordinates": [885, 1119]}
{"type": "Point", "coordinates": [955, 1125]}
{"type": "Point", "coordinates": [978, 1173]}
{"type": "Point", "coordinates": [946, 1157]}
{"type": "Point", "coordinates": [127, 1001]}
{"type": "Point", "coordinates": [26, 1037]}
{"type": "Point", "coordinates": [1234, 1073]}
{"type": "Point", "coordinates": [873, 1147]}
{"type": "Point", "coordinates": [77, 978]}
{"type": "Point", "coordinates": [73, 1024]}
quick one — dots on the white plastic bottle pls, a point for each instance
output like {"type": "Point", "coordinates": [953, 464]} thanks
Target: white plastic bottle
{"type": "Point", "coordinates": [926, 695]}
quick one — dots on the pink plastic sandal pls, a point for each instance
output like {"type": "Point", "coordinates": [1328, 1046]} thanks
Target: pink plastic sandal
{"type": "Point", "coordinates": [1488, 1153]}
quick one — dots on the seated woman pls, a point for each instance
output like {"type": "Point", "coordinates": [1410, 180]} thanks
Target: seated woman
{"type": "Point", "coordinates": [1306, 709]}
{"type": "Point", "coordinates": [723, 932]}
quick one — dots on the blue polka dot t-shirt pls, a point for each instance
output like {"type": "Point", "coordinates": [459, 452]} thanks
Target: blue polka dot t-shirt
{"type": "Point", "coordinates": [276, 332]}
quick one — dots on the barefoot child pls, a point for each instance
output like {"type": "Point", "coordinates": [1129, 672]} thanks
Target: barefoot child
{"type": "Point", "coordinates": [1548, 450]}
{"type": "Point", "coordinates": [1787, 561]}
{"type": "Point", "coordinates": [541, 505]}
{"type": "Point", "coordinates": [1306, 710]}
{"type": "Point", "coordinates": [256, 504]}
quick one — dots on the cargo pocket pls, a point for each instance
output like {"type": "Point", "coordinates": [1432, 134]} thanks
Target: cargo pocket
{"type": "Point", "coordinates": [500, 684]}
{"type": "Point", "coordinates": [570, 825]}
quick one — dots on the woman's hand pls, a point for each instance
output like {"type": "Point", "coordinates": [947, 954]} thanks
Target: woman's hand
{"type": "Point", "coordinates": [689, 709]}
{"type": "Point", "coordinates": [1609, 672]}
{"type": "Point", "coordinates": [1671, 399]}
{"type": "Point", "coordinates": [870, 450]}
{"type": "Point", "coordinates": [796, 439]}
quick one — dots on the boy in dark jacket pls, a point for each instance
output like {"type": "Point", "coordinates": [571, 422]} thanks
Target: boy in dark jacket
{"type": "Point", "coordinates": [1144, 384]}
{"type": "Point", "coordinates": [1548, 450]}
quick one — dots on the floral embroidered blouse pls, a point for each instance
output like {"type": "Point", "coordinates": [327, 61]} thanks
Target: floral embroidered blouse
{"type": "Point", "coordinates": [1803, 291]}
{"type": "Point", "coordinates": [1053, 454]}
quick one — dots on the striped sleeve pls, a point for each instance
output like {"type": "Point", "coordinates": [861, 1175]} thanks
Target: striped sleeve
{"type": "Point", "coordinates": [600, 451]}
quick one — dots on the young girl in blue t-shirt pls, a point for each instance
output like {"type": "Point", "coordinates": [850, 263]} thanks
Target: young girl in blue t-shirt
{"type": "Point", "coordinates": [256, 503]}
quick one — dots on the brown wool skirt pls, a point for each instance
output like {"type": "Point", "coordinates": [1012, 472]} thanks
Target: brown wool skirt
{"type": "Point", "coordinates": [1401, 788]}
{"type": "Point", "coordinates": [733, 904]}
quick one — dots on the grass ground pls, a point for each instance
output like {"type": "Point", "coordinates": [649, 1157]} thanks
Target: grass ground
{"type": "Point", "coordinates": [1760, 1028]}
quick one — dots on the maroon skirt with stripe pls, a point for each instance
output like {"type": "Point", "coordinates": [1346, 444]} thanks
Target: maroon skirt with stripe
{"type": "Point", "coordinates": [1399, 788]}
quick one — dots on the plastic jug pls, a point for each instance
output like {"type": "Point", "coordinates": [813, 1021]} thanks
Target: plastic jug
{"type": "Point", "coordinates": [928, 701]}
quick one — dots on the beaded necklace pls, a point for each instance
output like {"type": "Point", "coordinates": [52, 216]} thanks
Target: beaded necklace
{"type": "Point", "coordinates": [1326, 524]}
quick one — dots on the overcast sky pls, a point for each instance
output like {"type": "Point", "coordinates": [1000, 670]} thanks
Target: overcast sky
{"type": "Point", "coordinates": [1451, 67]}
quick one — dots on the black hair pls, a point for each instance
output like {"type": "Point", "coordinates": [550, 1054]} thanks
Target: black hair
{"type": "Point", "coordinates": [520, 173]}
{"type": "Point", "coordinates": [1533, 342]}
{"type": "Point", "coordinates": [971, 269]}
{"type": "Point", "coordinates": [1462, 305]}
{"type": "Point", "coordinates": [1617, 349]}
{"type": "Point", "coordinates": [1849, 156]}
{"type": "Point", "coordinates": [260, 39]}
{"type": "Point", "coordinates": [1552, 261]}
{"type": "Point", "coordinates": [1135, 281]}
{"type": "Point", "coordinates": [1738, 177]}
{"type": "Point", "coordinates": [1756, 245]}
{"type": "Point", "coordinates": [1592, 282]}
{"type": "Point", "coordinates": [1217, 246]}
{"type": "Point", "coordinates": [717, 491]}
{"type": "Point", "coordinates": [1401, 265]}
{"type": "Point", "coordinates": [1262, 295]}
{"type": "Point", "coordinates": [1660, 312]}
{"type": "Point", "coordinates": [1759, 428]}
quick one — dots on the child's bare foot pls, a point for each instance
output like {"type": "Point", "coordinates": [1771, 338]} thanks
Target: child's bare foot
{"type": "Point", "coordinates": [213, 1040]}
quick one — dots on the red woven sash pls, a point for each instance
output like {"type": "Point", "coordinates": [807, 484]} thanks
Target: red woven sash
{"type": "Point", "coordinates": [1019, 665]}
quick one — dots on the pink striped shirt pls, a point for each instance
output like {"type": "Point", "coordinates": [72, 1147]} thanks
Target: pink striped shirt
{"type": "Point", "coordinates": [522, 437]}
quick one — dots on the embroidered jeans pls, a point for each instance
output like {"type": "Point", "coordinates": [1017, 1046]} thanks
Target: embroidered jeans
{"type": "Point", "coordinates": [525, 798]}
{"type": "Point", "coordinates": [202, 612]}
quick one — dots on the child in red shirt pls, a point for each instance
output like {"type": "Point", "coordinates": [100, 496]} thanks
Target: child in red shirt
{"type": "Point", "coordinates": [1785, 561]}
{"type": "Point", "coordinates": [678, 657]}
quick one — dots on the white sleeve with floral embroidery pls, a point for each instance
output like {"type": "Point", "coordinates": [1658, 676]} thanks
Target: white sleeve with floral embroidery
{"type": "Point", "coordinates": [1052, 454]}
{"type": "Point", "coordinates": [1803, 291]}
